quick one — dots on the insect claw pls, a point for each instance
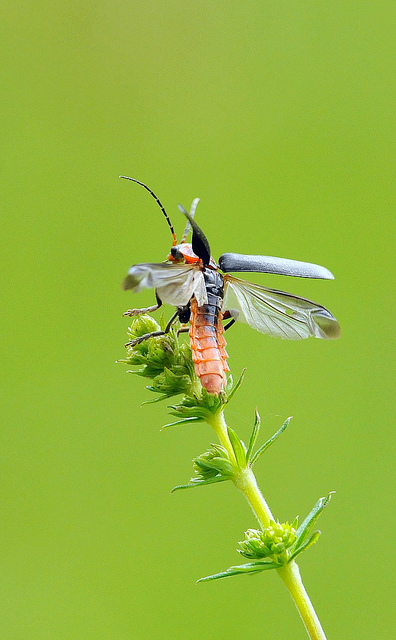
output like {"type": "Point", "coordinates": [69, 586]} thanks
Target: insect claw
{"type": "Point", "coordinates": [133, 343]}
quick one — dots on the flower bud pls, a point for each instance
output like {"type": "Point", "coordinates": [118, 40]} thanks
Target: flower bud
{"type": "Point", "coordinates": [142, 324]}
{"type": "Point", "coordinates": [213, 462]}
{"type": "Point", "coordinates": [275, 542]}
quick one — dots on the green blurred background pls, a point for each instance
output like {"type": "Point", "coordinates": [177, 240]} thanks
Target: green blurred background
{"type": "Point", "coordinates": [281, 117]}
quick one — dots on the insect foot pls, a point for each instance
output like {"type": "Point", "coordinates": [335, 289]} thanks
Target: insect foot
{"type": "Point", "coordinates": [146, 336]}
{"type": "Point", "coordinates": [138, 312]}
{"type": "Point", "coordinates": [133, 312]}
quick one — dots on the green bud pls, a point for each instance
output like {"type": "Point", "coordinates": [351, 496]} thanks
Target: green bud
{"type": "Point", "coordinates": [140, 325]}
{"type": "Point", "coordinates": [210, 467]}
{"type": "Point", "coordinates": [275, 542]}
{"type": "Point", "coordinates": [212, 463]}
{"type": "Point", "coordinates": [162, 359]}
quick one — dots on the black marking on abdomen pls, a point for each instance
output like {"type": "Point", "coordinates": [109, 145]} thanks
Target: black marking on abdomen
{"type": "Point", "coordinates": [214, 284]}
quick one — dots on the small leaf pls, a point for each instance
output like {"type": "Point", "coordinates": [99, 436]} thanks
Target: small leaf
{"type": "Point", "coordinates": [159, 399]}
{"type": "Point", "coordinates": [305, 527]}
{"type": "Point", "coordinates": [178, 423]}
{"type": "Point", "coordinates": [314, 538]}
{"type": "Point", "coordinates": [236, 385]}
{"type": "Point", "coordinates": [222, 465]}
{"type": "Point", "coordinates": [250, 567]}
{"type": "Point", "coordinates": [238, 447]}
{"type": "Point", "coordinates": [271, 440]}
{"type": "Point", "coordinates": [253, 437]}
{"type": "Point", "coordinates": [199, 483]}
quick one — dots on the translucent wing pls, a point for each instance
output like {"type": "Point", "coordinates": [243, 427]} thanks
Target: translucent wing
{"type": "Point", "coordinates": [277, 313]}
{"type": "Point", "coordinates": [175, 283]}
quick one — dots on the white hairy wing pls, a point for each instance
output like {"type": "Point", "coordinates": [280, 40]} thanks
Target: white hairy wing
{"type": "Point", "coordinates": [277, 313]}
{"type": "Point", "coordinates": [175, 284]}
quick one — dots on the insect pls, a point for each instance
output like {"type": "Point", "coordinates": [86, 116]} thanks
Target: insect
{"type": "Point", "coordinates": [205, 294]}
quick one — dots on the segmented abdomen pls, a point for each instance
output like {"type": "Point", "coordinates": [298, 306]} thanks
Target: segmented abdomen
{"type": "Point", "coordinates": [207, 339]}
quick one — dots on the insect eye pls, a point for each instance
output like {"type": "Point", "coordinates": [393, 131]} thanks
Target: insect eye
{"type": "Point", "coordinates": [176, 253]}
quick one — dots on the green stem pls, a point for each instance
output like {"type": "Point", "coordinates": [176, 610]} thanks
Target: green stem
{"type": "Point", "coordinates": [290, 575]}
{"type": "Point", "coordinates": [246, 482]}
{"type": "Point", "coordinates": [217, 421]}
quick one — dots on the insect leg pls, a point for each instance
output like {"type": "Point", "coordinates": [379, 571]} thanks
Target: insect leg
{"type": "Point", "coordinates": [146, 336]}
{"type": "Point", "coordinates": [227, 326]}
{"type": "Point", "coordinates": [183, 330]}
{"type": "Point", "coordinates": [226, 316]}
{"type": "Point", "coordinates": [171, 321]}
{"type": "Point", "coordinates": [137, 312]}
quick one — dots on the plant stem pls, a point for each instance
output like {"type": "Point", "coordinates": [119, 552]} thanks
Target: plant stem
{"type": "Point", "coordinates": [246, 482]}
{"type": "Point", "coordinates": [290, 575]}
{"type": "Point", "coordinates": [218, 423]}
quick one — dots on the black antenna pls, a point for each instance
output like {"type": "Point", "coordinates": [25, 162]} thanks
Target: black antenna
{"type": "Point", "coordinates": [158, 201]}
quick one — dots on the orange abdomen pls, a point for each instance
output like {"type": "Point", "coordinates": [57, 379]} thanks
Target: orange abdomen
{"type": "Point", "coordinates": [208, 347]}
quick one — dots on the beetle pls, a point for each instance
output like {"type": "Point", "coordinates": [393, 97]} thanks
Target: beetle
{"type": "Point", "coordinates": [204, 294]}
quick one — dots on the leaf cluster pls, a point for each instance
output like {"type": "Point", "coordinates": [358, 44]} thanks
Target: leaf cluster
{"type": "Point", "coordinates": [215, 465]}
{"type": "Point", "coordinates": [212, 466]}
{"type": "Point", "coordinates": [163, 358]}
{"type": "Point", "coordinates": [275, 553]}
{"type": "Point", "coordinates": [273, 542]}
